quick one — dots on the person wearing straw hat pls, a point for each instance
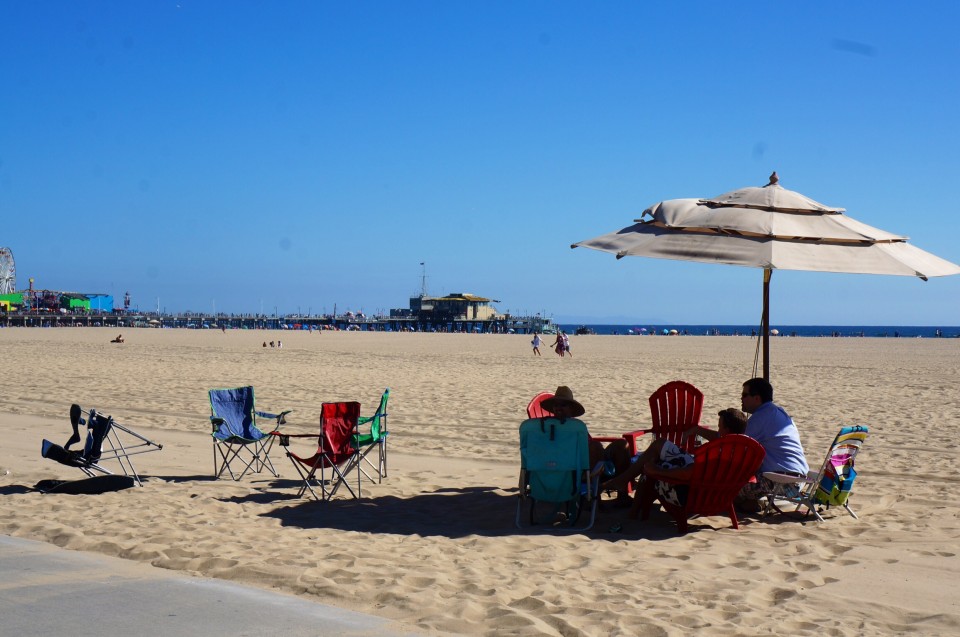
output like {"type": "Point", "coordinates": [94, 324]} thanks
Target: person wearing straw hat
{"type": "Point", "coordinates": [615, 457]}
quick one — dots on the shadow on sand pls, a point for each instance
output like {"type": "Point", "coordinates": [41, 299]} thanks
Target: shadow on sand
{"type": "Point", "coordinates": [453, 513]}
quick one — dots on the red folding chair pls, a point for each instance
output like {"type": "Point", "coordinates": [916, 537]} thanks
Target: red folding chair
{"type": "Point", "coordinates": [335, 451]}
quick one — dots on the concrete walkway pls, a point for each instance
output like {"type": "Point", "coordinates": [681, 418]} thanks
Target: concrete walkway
{"type": "Point", "coordinates": [46, 590]}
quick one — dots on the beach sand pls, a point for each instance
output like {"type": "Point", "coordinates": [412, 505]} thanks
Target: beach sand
{"type": "Point", "coordinates": [434, 547]}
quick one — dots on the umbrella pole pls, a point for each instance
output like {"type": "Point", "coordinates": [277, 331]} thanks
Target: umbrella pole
{"type": "Point", "coordinates": [765, 323]}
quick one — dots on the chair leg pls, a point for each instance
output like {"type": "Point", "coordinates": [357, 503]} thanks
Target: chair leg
{"type": "Point", "coordinates": [306, 477]}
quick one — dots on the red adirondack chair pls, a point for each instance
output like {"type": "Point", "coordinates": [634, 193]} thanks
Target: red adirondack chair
{"type": "Point", "coordinates": [535, 409]}
{"type": "Point", "coordinates": [674, 408]}
{"type": "Point", "coordinates": [721, 468]}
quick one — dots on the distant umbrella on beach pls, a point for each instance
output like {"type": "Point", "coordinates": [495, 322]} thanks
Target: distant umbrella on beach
{"type": "Point", "coordinates": [770, 228]}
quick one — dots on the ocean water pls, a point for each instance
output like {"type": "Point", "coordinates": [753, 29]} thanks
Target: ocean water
{"type": "Point", "coordinates": [866, 331]}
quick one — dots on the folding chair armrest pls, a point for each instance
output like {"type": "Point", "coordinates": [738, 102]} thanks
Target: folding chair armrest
{"type": "Point", "coordinates": [631, 438]}
{"type": "Point", "coordinates": [786, 478]}
{"type": "Point", "coordinates": [593, 480]}
{"type": "Point", "coordinates": [283, 439]}
{"type": "Point", "coordinates": [281, 418]}
{"type": "Point", "coordinates": [215, 422]}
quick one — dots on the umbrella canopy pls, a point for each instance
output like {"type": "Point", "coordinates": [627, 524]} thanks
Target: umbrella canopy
{"type": "Point", "coordinates": [770, 228]}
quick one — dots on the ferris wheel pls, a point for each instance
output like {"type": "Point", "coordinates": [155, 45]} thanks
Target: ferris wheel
{"type": "Point", "coordinates": [8, 274]}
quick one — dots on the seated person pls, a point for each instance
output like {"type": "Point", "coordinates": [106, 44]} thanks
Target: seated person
{"type": "Point", "coordinates": [615, 457]}
{"type": "Point", "coordinates": [665, 459]}
{"type": "Point", "coordinates": [772, 427]}
{"type": "Point", "coordinates": [119, 339]}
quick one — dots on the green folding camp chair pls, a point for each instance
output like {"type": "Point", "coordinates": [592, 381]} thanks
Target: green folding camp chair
{"type": "Point", "coordinates": [375, 438]}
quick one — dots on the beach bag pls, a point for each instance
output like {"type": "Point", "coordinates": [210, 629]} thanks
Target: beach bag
{"type": "Point", "coordinates": [837, 482]}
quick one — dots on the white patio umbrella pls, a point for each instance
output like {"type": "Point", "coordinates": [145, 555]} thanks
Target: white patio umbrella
{"type": "Point", "coordinates": [770, 228]}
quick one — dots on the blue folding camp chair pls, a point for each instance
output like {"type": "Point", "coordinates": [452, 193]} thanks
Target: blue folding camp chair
{"type": "Point", "coordinates": [556, 481]}
{"type": "Point", "coordinates": [832, 484]}
{"type": "Point", "coordinates": [236, 436]}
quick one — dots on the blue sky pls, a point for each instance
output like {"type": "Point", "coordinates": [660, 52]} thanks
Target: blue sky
{"type": "Point", "coordinates": [297, 155]}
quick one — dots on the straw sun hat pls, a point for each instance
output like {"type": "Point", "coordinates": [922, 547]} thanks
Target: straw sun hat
{"type": "Point", "coordinates": [564, 396]}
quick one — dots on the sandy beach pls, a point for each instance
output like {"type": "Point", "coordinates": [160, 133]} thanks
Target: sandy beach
{"type": "Point", "coordinates": [434, 548]}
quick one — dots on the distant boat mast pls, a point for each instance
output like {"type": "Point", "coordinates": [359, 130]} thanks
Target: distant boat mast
{"type": "Point", "coordinates": [423, 279]}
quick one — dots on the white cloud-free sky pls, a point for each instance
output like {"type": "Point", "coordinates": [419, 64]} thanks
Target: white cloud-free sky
{"type": "Point", "coordinates": [241, 156]}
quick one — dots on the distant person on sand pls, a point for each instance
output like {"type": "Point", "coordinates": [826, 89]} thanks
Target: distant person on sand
{"type": "Point", "coordinates": [536, 343]}
{"type": "Point", "coordinates": [264, 343]}
{"type": "Point", "coordinates": [558, 344]}
{"type": "Point", "coordinates": [119, 339]}
{"type": "Point", "coordinates": [566, 345]}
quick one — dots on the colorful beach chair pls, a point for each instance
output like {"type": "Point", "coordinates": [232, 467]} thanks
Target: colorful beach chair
{"type": "Point", "coordinates": [832, 484]}
{"type": "Point", "coordinates": [557, 485]}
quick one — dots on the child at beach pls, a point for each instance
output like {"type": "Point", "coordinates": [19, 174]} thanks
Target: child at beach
{"type": "Point", "coordinates": [664, 458]}
{"type": "Point", "coordinates": [536, 343]}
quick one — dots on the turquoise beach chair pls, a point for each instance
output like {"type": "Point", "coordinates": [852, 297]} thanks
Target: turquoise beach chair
{"type": "Point", "coordinates": [556, 482]}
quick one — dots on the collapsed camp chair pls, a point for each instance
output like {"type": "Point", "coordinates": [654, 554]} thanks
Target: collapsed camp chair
{"type": "Point", "coordinates": [832, 484]}
{"type": "Point", "coordinates": [721, 468]}
{"type": "Point", "coordinates": [556, 483]}
{"type": "Point", "coordinates": [236, 437]}
{"type": "Point", "coordinates": [335, 451]}
{"type": "Point", "coordinates": [375, 438]}
{"type": "Point", "coordinates": [107, 440]}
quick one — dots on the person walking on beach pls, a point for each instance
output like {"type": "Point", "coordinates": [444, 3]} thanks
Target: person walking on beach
{"type": "Point", "coordinates": [566, 345]}
{"type": "Point", "coordinates": [772, 427]}
{"type": "Point", "coordinates": [558, 344]}
{"type": "Point", "coordinates": [536, 343]}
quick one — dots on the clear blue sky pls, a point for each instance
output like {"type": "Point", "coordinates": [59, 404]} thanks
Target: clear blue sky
{"type": "Point", "coordinates": [296, 155]}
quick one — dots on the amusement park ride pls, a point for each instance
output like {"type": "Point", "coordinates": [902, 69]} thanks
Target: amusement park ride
{"type": "Point", "coordinates": [36, 300]}
{"type": "Point", "coordinates": [8, 273]}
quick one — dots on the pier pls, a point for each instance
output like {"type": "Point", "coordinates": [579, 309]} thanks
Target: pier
{"type": "Point", "coordinates": [502, 325]}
